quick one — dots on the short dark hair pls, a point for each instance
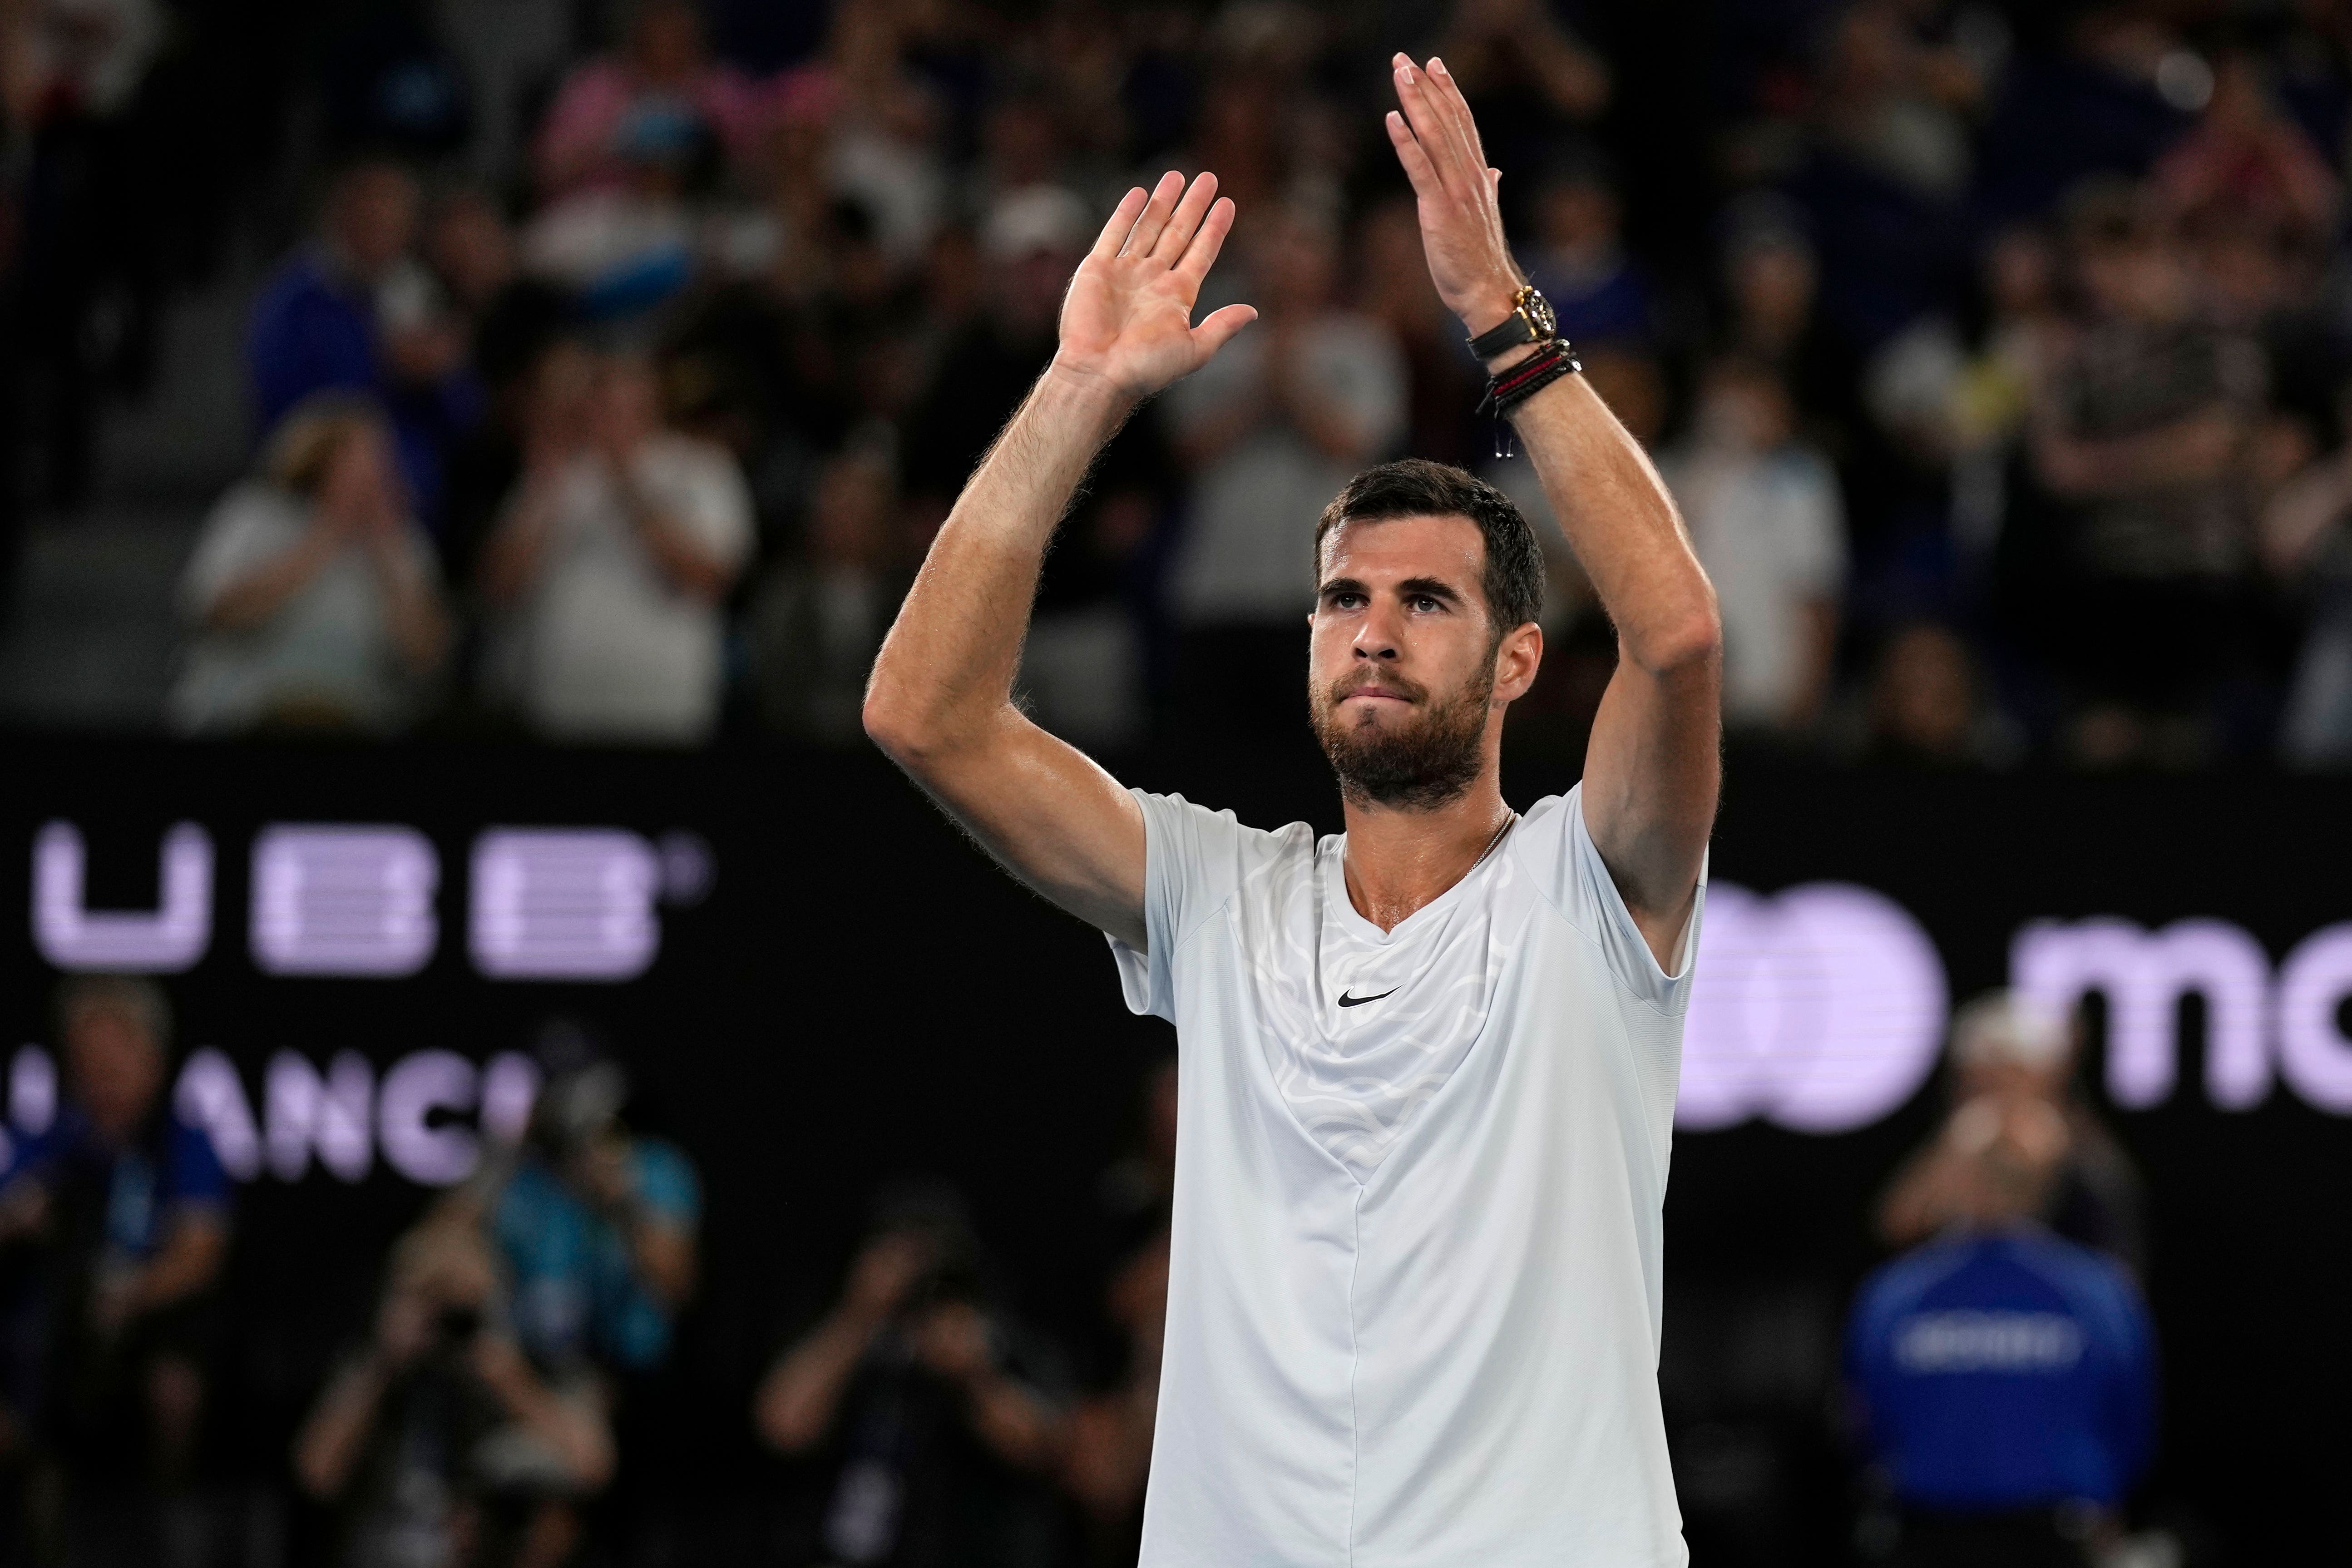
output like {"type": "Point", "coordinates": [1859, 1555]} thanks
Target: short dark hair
{"type": "Point", "coordinates": [1415, 487]}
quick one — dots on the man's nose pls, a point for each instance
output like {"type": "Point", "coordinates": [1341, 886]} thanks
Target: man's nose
{"type": "Point", "coordinates": [1375, 638]}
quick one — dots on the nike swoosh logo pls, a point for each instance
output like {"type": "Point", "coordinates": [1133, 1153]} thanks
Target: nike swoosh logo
{"type": "Point", "coordinates": [1347, 1001]}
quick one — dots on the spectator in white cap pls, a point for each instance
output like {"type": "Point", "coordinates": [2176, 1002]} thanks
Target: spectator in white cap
{"type": "Point", "coordinates": [2012, 1062]}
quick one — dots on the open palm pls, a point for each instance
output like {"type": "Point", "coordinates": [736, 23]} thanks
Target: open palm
{"type": "Point", "coordinates": [1129, 314]}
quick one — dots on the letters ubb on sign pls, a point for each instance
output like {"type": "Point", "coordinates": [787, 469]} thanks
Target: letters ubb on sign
{"type": "Point", "coordinates": [357, 901]}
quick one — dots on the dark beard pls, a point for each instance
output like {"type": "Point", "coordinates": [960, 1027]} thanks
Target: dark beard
{"type": "Point", "coordinates": [1417, 766]}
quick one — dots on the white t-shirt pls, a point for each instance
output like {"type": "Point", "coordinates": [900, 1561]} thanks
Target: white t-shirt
{"type": "Point", "coordinates": [1414, 1292]}
{"type": "Point", "coordinates": [605, 648]}
{"type": "Point", "coordinates": [1249, 549]}
{"type": "Point", "coordinates": [1770, 532]}
{"type": "Point", "coordinates": [327, 648]}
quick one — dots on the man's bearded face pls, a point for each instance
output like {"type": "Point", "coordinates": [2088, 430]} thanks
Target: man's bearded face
{"type": "Point", "coordinates": [1416, 759]}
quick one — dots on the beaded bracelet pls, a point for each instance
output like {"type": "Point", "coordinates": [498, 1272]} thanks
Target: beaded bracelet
{"type": "Point", "coordinates": [1553, 358]}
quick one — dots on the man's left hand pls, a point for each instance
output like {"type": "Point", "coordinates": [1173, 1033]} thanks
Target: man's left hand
{"type": "Point", "coordinates": [1460, 221]}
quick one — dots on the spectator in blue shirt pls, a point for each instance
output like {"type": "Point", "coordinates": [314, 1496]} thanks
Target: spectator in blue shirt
{"type": "Point", "coordinates": [2005, 1379]}
{"type": "Point", "coordinates": [355, 311]}
{"type": "Point", "coordinates": [124, 1208]}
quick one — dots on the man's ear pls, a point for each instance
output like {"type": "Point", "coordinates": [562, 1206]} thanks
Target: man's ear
{"type": "Point", "coordinates": [1516, 658]}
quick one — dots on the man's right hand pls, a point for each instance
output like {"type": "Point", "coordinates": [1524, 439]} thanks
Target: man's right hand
{"type": "Point", "coordinates": [1126, 320]}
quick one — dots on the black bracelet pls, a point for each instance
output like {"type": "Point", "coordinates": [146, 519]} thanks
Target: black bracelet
{"type": "Point", "coordinates": [1553, 358]}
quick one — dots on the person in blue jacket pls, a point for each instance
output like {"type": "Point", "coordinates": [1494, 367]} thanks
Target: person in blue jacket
{"type": "Point", "coordinates": [2005, 1378]}
{"type": "Point", "coordinates": [355, 311]}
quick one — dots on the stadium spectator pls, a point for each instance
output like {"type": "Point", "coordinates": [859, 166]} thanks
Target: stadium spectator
{"type": "Point", "coordinates": [1765, 518]}
{"type": "Point", "coordinates": [1270, 429]}
{"type": "Point", "coordinates": [1928, 705]}
{"type": "Point", "coordinates": [2143, 433]}
{"type": "Point", "coordinates": [439, 1440]}
{"type": "Point", "coordinates": [916, 1411]}
{"type": "Point", "coordinates": [355, 311]}
{"type": "Point", "coordinates": [614, 554]}
{"type": "Point", "coordinates": [2306, 545]}
{"type": "Point", "coordinates": [819, 618]}
{"type": "Point", "coordinates": [1580, 261]}
{"type": "Point", "coordinates": [313, 595]}
{"type": "Point", "coordinates": [86, 135]}
{"type": "Point", "coordinates": [2003, 1378]}
{"type": "Point", "coordinates": [661, 88]}
{"type": "Point", "coordinates": [2247, 166]}
{"type": "Point", "coordinates": [593, 1226]}
{"type": "Point", "coordinates": [127, 1210]}
{"type": "Point", "coordinates": [2008, 1059]}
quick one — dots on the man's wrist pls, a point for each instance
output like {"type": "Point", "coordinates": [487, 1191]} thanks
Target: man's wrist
{"type": "Point", "coordinates": [1073, 389]}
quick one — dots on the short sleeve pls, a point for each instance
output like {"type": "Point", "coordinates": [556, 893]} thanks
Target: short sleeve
{"type": "Point", "coordinates": [1191, 866]}
{"type": "Point", "coordinates": [195, 1172]}
{"type": "Point", "coordinates": [249, 527]}
{"type": "Point", "coordinates": [1555, 847]}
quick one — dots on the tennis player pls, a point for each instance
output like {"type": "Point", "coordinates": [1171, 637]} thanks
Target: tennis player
{"type": "Point", "coordinates": [1427, 1066]}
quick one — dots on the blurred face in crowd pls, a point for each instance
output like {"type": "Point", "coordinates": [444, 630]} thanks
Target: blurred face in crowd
{"type": "Point", "coordinates": [1578, 214]}
{"type": "Point", "coordinates": [1744, 408]}
{"type": "Point", "coordinates": [1772, 282]}
{"type": "Point", "coordinates": [471, 247]}
{"type": "Point", "coordinates": [2018, 273]}
{"type": "Point", "coordinates": [1403, 667]}
{"type": "Point", "coordinates": [360, 480]}
{"type": "Point", "coordinates": [117, 1066]}
{"type": "Point", "coordinates": [2136, 277]}
{"type": "Point", "coordinates": [1294, 264]}
{"type": "Point", "coordinates": [849, 524]}
{"type": "Point", "coordinates": [372, 218]}
{"type": "Point", "coordinates": [627, 404]}
{"type": "Point", "coordinates": [668, 40]}
{"type": "Point", "coordinates": [1029, 288]}
{"type": "Point", "coordinates": [1927, 692]}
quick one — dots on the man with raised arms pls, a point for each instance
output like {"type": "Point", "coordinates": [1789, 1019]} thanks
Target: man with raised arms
{"type": "Point", "coordinates": [1427, 1066]}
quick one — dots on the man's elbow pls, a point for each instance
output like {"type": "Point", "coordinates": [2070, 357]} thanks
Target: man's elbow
{"type": "Point", "coordinates": [890, 725]}
{"type": "Point", "coordinates": [1688, 643]}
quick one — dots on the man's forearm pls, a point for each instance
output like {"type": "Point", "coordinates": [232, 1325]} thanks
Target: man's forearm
{"type": "Point", "coordinates": [1621, 523]}
{"type": "Point", "coordinates": [947, 666]}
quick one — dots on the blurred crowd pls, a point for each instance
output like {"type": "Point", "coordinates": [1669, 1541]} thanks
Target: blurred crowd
{"type": "Point", "coordinates": [1999, 356]}
{"type": "Point", "coordinates": [500, 1392]}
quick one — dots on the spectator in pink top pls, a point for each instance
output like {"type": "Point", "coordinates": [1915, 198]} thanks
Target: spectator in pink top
{"type": "Point", "coordinates": [664, 70]}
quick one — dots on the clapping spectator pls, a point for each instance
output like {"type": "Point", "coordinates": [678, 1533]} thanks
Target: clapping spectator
{"type": "Point", "coordinates": [1271, 429]}
{"type": "Point", "coordinates": [917, 1405]}
{"type": "Point", "coordinates": [611, 563]}
{"type": "Point", "coordinates": [129, 1210]}
{"type": "Point", "coordinates": [355, 311]}
{"type": "Point", "coordinates": [2010, 1059]}
{"type": "Point", "coordinates": [439, 1441]}
{"type": "Point", "coordinates": [313, 594]}
{"type": "Point", "coordinates": [1766, 523]}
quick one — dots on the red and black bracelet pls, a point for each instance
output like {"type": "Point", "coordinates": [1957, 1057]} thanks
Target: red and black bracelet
{"type": "Point", "coordinates": [1553, 358]}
